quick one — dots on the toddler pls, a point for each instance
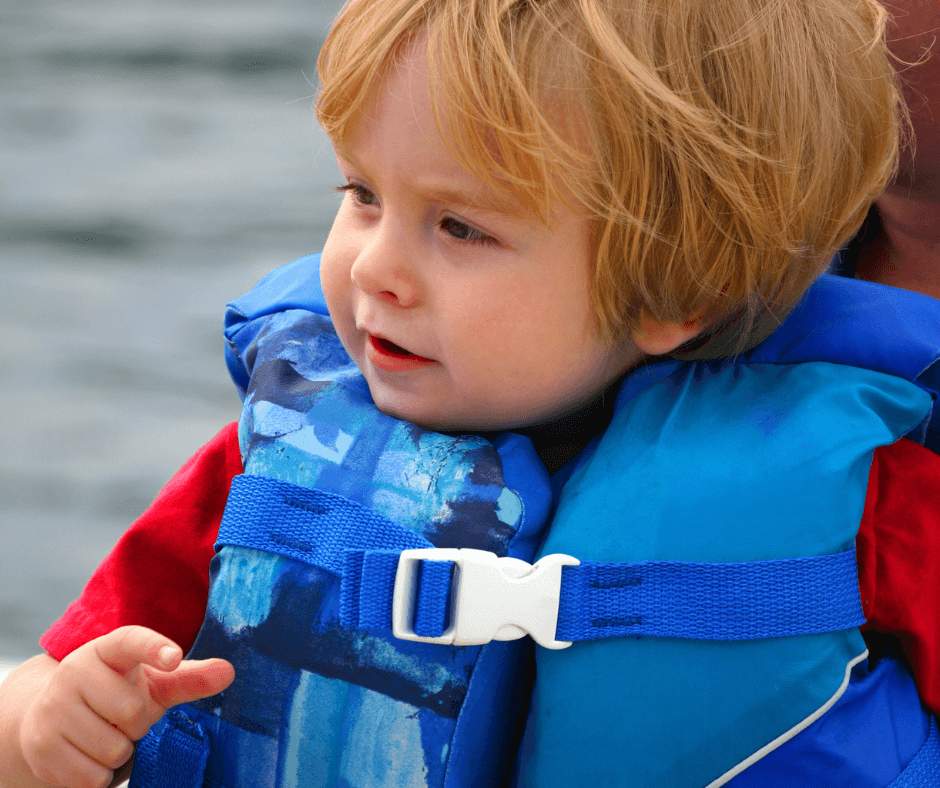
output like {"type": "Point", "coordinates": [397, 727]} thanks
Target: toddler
{"type": "Point", "coordinates": [570, 309]}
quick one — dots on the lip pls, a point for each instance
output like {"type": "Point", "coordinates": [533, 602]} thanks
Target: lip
{"type": "Point", "coordinates": [384, 357]}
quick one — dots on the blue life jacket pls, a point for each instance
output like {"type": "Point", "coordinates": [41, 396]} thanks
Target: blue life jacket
{"type": "Point", "coordinates": [715, 604]}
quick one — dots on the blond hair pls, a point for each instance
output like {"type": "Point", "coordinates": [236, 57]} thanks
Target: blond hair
{"type": "Point", "coordinates": [725, 149]}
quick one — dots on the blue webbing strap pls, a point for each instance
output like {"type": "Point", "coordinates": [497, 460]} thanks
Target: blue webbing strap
{"type": "Point", "coordinates": [924, 770]}
{"type": "Point", "coordinates": [173, 758]}
{"type": "Point", "coordinates": [700, 601]}
{"type": "Point", "coordinates": [308, 525]}
{"type": "Point", "coordinates": [432, 603]}
{"type": "Point", "coordinates": [328, 531]}
{"type": "Point", "coordinates": [696, 601]}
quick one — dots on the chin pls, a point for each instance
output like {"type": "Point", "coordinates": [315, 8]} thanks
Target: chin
{"type": "Point", "coordinates": [412, 415]}
{"type": "Point", "coordinates": [432, 421]}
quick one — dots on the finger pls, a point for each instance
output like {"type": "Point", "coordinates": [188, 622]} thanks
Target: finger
{"type": "Point", "coordinates": [119, 702]}
{"type": "Point", "coordinates": [97, 739]}
{"type": "Point", "coordinates": [192, 680]}
{"type": "Point", "coordinates": [127, 647]}
{"type": "Point", "coordinates": [64, 764]}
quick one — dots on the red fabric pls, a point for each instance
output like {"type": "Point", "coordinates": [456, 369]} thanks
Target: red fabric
{"type": "Point", "coordinates": [898, 549]}
{"type": "Point", "coordinates": [157, 575]}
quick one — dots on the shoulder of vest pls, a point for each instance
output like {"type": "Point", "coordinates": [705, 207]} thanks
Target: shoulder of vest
{"type": "Point", "coordinates": [295, 285]}
{"type": "Point", "coordinates": [861, 324]}
{"type": "Point", "coordinates": [866, 325]}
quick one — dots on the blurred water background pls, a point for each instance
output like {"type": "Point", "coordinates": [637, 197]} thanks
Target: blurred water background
{"type": "Point", "coordinates": [156, 159]}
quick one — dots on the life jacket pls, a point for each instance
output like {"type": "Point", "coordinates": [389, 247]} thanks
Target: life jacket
{"type": "Point", "coordinates": [700, 552]}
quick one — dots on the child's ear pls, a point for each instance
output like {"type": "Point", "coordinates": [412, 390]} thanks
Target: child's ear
{"type": "Point", "coordinates": [656, 338]}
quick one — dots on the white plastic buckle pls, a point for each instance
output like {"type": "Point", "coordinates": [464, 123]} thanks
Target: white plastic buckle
{"type": "Point", "coordinates": [493, 598]}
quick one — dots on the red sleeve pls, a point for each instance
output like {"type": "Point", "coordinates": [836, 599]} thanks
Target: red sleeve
{"type": "Point", "coordinates": [899, 557]}
{"type": "Point", "coordinates": [157, 575]}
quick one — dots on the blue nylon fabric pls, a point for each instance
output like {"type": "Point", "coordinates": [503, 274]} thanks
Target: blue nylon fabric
{"type": "Point", "coordinates": [863, 324]}
{"type": "Point", "coordinates": [924, 770]}
{"type": "Point", "coordinates": [173, 757]}
{"type": "Point", "coordinates": [835, 312]}
{"type": "Point", "coordinates": [714, 462]}
{"type": "Point", "coordinates": [876, 731]}
{"type": "Point", "coordinates": [295, 285]}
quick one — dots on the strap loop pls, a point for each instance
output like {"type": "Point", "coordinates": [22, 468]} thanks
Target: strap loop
{"type": "Point", "coordinates": [173, 757]}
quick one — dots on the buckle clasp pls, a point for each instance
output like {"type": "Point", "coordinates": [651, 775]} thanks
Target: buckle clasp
{"type": "Point", "coordinates": [493, 598]}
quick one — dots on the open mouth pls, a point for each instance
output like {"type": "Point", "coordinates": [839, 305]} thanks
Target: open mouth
{"type": "Point", "coordinates": [393, 358]}
{"type": "Point", "coordinates": [390, 347]}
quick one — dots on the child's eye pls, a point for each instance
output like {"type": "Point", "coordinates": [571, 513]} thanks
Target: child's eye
{"type": "Point", "coordinates": [464, 232]}
{"type": "Point", "coordinates": [361, 194]}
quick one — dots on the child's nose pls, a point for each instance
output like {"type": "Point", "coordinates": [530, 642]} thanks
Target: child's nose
{"type": "Point", "coordinates": [382, 271]}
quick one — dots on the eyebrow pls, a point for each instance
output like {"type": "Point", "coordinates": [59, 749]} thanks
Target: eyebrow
{"type": "Point", "coordinates": [486, 199]}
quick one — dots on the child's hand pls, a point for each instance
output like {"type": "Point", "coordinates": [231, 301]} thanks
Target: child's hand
{"type": "Point", "coordinates": [103, 697]}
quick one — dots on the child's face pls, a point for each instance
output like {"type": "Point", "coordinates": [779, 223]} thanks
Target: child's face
{"type": "Point", "coordinates": [495, 307]}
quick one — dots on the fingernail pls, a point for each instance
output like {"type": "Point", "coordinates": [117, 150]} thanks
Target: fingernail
{"type": "Point", "coordinates": [166, 655]}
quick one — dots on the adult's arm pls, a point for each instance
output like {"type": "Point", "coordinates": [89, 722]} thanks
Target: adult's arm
{"type": "Point", "coordinates": [902, 245]}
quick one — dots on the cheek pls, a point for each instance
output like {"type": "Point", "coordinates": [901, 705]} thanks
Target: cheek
{"type": "Point", "coordinates": [529, 346]}
{"type": "Point", "coordinates": [335, 268]}
{"type": "Point", "coordinates": [534, 327]}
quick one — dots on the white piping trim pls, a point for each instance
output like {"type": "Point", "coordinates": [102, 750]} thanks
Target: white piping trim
{"type": "Point", "coordinates": [782, 739]}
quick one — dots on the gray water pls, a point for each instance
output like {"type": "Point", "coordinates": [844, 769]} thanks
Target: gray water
{"type": "Point", "coordinates": [156, 159]}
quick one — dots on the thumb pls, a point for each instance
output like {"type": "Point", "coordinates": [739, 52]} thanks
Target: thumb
{"type": "Point", "coordinates": [192, 680]}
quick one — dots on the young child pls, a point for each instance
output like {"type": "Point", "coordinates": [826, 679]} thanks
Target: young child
{"type": "Point", "coordinates": [570, 308]}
